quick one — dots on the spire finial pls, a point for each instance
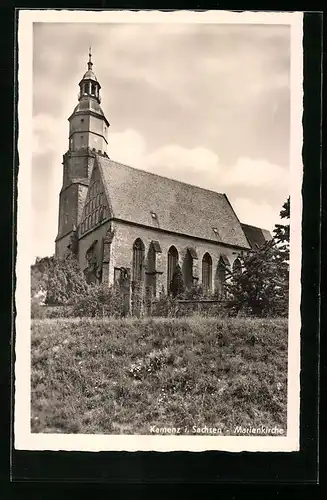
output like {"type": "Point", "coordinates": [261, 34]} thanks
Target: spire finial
{"type": "Point", "coordinates": [90, 63]}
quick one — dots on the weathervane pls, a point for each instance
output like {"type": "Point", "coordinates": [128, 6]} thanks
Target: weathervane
{"type": "Point", "coordinates": [90, 63]}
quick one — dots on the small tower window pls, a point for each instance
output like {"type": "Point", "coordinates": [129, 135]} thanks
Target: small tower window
{"type": "Point", "coordinates": [82, 120]}
{"type": "Point", "coordinates": [93, 89]}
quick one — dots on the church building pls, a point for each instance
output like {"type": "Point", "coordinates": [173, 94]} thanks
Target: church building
{"type": "Point", "coordinates": [125, 222]}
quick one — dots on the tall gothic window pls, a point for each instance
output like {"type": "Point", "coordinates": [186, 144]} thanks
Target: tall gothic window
{"type": "Point", "coordinates": [207, 272]}
{"type": "Point", "coordinates": [221, 275]}
{"type": "Point", "coordinates": [151, 270]}
{"type": "Point", "coordinates": [138, 260]}
{"type": "Point", "coordinates": [187, 267]}
{"type": "Point", "coordinates": [172, 263]}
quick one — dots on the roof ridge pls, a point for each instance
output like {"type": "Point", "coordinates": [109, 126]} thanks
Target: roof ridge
{"type": "Point", "coordinates": [161, 176]}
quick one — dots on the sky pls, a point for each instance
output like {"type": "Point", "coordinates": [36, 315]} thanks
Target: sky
{"type": "Point", "coordinates": [207, 104]}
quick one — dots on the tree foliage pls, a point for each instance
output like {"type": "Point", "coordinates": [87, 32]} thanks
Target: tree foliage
{"type": "Point", "coordinates": [39, 275]}
{"type": "Point", "coordinates": [282, 231]}
{"type": "Point", "coordinates": [261, 289]}
{"type": "Point", "coordinates": [66, 282]}
{"type": "Point", "coordinates": [177, 285]}
{"type": "Point", "coordinates": [61, 281]}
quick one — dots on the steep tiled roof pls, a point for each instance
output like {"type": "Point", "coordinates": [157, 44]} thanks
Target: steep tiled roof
{"type": "Point", "coordinates": [155, 201]}
{"type": "Point", "coordinates": [255, 235]}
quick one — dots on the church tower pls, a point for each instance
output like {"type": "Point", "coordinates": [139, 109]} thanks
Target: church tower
{"type": "Point", "coordinates": [88, 128]}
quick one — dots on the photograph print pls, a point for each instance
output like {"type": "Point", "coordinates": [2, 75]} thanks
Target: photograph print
{"type": "Point", "coordinates": [159, 231]}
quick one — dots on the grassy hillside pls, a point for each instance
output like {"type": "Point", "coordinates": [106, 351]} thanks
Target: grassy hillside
{"type": "Point", "coordinates": [124, 376]}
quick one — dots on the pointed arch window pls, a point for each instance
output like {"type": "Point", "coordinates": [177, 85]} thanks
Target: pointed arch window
{"type": "Point", "coordinates": [221, 275]}
{"type": "Point", "coordinates": [151, 274]}
{"type": "Point", "coordinates": [172, 263]}
{"type": "Point", "coordinates": [138, 260]}
{"type": "Point", "coordinates": [207, 272]}
{"type": "Point", "coordinates": [187, 266]}
{"type": "Point", "coordinates": [237, 266]}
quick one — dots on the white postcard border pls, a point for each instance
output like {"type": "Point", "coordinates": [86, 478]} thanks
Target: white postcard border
{"type": "Point", "coordinates": [24, 439]}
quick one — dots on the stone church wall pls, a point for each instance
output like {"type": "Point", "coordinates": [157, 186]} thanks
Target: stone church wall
{"type": "Point", "coordinates": [61, 246]}
{"type": "Point", "coordinates": [125, 235]}
{"type": "Point", "coordinates": [77, 165]}
{"type": "Point", "coordinates": [87, 240]}
{"type": "Point", "coordinates": [71, 205]}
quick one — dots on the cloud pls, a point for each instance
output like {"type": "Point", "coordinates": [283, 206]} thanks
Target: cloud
{"type": "Point", "coordinates": [48, 136]}
{"type": "Point", "coordinates": [127, 147]}
{"type": "Point", "coordinates": [257, 173]}
{"type": "Point", "coordinates": [202, 167]}
{"type": "Point", "coordinates": [256, 213]}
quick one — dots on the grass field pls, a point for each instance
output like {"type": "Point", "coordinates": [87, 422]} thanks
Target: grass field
{"type": "Point", "coordinates": [124, 376]}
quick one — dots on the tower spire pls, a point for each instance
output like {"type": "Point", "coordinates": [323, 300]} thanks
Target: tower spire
{"type": "Point", "coordinates": [90, 63]}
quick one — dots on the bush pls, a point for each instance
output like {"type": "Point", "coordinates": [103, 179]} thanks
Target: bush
{"type": "Point", "coordinates": [100, 301]}
{"type": "Point", "coordinates": [196, 292]}
{"type": "Point", "coordinates": [169, 307]}
{"type": "Point", "coordinates": [37, 311]}
{"type": "Point", "coordinates": [39, 274]}
{"type": "Point", "coordinates": [66, 282]}
{"type": "Point", "coordinates": [166, 306]}
{"type": "Point", "coordinates": [177, 286]}
{"type": "Point", "coordinates": [52, 312]}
